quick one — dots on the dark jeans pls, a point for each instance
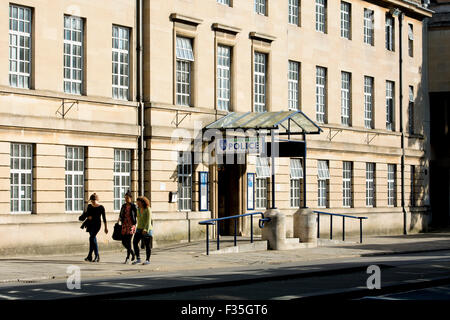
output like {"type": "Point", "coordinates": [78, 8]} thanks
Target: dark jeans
{"type": "Point", "coordinates": [93, 245]}
{"type": "Point", "coordinates": [147, 241]}
{"type": "Point", "coordinates": [126, 242]}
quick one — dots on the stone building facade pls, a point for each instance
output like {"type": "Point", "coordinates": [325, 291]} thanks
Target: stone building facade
{"type": "Point", "coordinates": [336, 61]}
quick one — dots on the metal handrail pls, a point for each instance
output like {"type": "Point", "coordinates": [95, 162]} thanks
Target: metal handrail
{"type": "Point", "coordinates": [207, 223]}
{"type": "Point", "coordinates": [343, 224]}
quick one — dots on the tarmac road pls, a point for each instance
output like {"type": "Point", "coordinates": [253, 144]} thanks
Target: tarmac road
{"type": "Point", "coordinates": [406, 275]}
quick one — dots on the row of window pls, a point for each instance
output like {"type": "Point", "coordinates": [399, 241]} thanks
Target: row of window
{"type": "Point", "coordinates": [321, 20]}
{"type": "Point", "coordinates": [22, 178]}
{"type": "Point", "coordinates": [20, 57]}
{"type": "Point", "coordinates": [263, 175]}
{"type": "Point", "coordinates": [185, 58]}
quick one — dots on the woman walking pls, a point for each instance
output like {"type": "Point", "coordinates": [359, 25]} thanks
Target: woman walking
{"type": "Point", "coordinates": [92, 223]}
{"type": "Point", "coordinates": [144, 230]}
{"type": "Point", "coordinates": [127, 217]}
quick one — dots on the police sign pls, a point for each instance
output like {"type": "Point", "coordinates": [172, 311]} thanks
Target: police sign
{"type": "Point", "coordinates": [239, 145]}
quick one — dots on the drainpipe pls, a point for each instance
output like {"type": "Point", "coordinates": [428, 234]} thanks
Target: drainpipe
{"type": "Point", "coordinates": [140, 95]}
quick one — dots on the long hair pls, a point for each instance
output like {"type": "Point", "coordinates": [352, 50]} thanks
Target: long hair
{"type": "Point", "coordinates": [144, 201]}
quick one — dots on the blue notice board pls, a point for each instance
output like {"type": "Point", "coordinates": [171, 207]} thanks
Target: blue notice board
{"type": "Point", "coordinates": [250, 191]}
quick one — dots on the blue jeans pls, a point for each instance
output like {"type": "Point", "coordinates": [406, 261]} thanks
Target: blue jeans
{"type": "Point", "coordinates": [93, 246]}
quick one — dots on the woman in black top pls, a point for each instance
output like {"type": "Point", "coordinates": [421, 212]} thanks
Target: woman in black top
{"type": "Point", "coordinates": [92, 223]}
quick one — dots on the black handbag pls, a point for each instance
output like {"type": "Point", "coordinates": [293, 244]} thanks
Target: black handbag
{"type": "Point", "coordinates": [117, 234]}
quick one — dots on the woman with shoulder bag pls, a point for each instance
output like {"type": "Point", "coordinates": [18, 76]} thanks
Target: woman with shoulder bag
{"type": "Point", "coordinates": [127, 217]}
{"type": "Point", "coordinates": [144, 230]}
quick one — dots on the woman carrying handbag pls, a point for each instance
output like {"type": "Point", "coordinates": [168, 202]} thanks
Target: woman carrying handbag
{"type": "Point", "coordinates": [127, 217]}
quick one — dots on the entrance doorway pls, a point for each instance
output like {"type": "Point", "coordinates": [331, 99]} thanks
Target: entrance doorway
{"type": "Point", "coordinates": [229, 194]}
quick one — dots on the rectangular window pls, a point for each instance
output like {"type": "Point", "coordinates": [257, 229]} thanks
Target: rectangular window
{"type": "Point", "coordinates": [410, 40]}
{"type": "Point", "coordinates": [262, 175]}
{"type": "Point", "coordinates": [120, 62]}
{"type": "Point", "coordinates": [321, 80]}
{"type": "Point", "coordinates": [260, 77]}
{"type": "Point", "coordinates": [185, 58]}
{"type": "Point", "coordinates": [321, 15]}
{"type": "Point", "coordinates": [293, 85]}
{"type": "Point", "coordinates": [368, 102]}
{"type": "Point", "coordinates": [225, 2]}
{"type": "Point", "coordinates": [73, 55]}
{"type": "Point", "coordinates": [260, 7]}
{"type": "Point", "coordinates": [392, 185]}
{"type": "Point", "coordinates": [370, 184]}
{"type": "Point", "coordinates": [185, 181]}
{"type": "Point", "coordinates": [21, 178]}
{"type": "Point", "coordinates": [323, 177]}
{"type": "Point", "coordinates": [19, 46]}
{"type": "Point", "coordinates": [347, 184]}
{"type": "Point", "coordinates": [223, 78]}
{"type": "Point", "coordinates": [390, 32]}
{"type": "Point", "coordinates": [293, 14]}
{"type": "Point", "coordinates": [389, 105]}
{"type": "Point", "coordinates": [369, 26]}
{"type": "Point", "coordinates": [345, 98]}
{"type": "Point", "coordinates": [74, 179]}
{"type": "Point", "coordinates": [122, 176]}
{"type": "Point", "coordinates": [411, 110]}
{"type": "Point", "coordinates": [296, 179]}
{"type": "Point", "coordinates": [346, 18]}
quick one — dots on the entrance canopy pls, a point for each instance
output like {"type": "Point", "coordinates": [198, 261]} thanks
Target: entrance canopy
{"type": "Point", "coordinates": [294, 122]}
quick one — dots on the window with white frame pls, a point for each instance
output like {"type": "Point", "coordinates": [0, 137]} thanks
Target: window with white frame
{"type": "Point", "coordinates": [122, 176]}
{"type": "Point", "coordinates": [392, 185]}
{"type": "Point", "coordinates": [368, 102]}
{"type": "Point", "coordinates": [19, 46]}
{"type": "Point", "coordinates": [389, 105]}
{"type": "Point", "coordinates": [410, 40]}
{"type": "Point", "coordinates": [293, 85]}
{"type": "Point", "coordinates": [369, 26]}
{"type": "Point", "coordinates": [347, 184]}
{"type": "Point", "coordinates": [321, 79]}
{"type": "Point", "coordinates": [296, 170]}
{"type": "Point", "coordinates": [225, 2]}
{"type": "Point", "coordinates": [262, 176]}
{"type": "Point", "coordinates": [321, 15]}
{"type": "Point", "coordinates": [411, 110]}
{"type": "Point", "coordinates": [345, 98]}
{"type": "Point", "coordinates": [185, 58]}
{"type": "Point", "coordinates": [346, 19]}
{"type": "Point", "coordinates": [260, 7]}
{"type": "Point", "coordinates": [390, 33]}
{"type": "Point", "coordinates": [120, 62]}
{"type": "Point", "coordinates": [260, 79]}
{"type": "Point", "coordinates": [323, 177]}
{"type": "Point", "coordinates": [74, 179]}
{"type": "Point", "coordinates": [293, 14]}
{"type": "Point", "coordinates": [73, 55]}
{"type": "Point", "coordinates": [370, 184]}
{"type": "Point", "coordinates": [185, 181]}
{"type": "Point", "coordinates": [21, 178]}
{"type": "Point", "coordinates": [223, 77]}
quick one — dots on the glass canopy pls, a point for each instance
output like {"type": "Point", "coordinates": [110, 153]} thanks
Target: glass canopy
{"type": "Point", "coordinates": [294, 122]}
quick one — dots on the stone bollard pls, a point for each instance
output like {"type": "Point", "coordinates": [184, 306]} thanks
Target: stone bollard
{"type": "Point", "coordinates": [305, 225]}
{"type": "Point", "coordinates": [274, 231]}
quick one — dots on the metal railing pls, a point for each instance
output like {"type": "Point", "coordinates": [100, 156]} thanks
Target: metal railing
{"type": "Point", "coordinates": [217, 221]}
{"type": "Point", "coordinates": [343, 224]}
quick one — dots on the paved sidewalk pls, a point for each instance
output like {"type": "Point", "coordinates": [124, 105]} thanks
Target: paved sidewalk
{"type": "Point", "coordinates": [190, 256]}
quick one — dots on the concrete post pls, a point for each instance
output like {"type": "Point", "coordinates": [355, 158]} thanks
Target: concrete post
{"type": "Point", "coordinates": [305, 225]}
{"type": "Point", "coordinates": [274, 231]}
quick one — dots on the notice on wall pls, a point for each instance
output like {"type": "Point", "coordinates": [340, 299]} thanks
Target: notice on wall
{"type": "Point", "coordinates": [250, 191]}
{"type": "Point", "coordinates": [203, 190]}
